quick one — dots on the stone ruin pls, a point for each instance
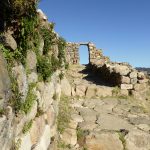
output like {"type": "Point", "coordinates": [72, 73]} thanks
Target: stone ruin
{"type": "Point", "coordinates": [72, 53]}
{"type": "Point", "coordinates": [116, 74]}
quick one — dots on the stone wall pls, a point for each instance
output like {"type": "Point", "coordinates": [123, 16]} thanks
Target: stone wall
{"type": "Point", "coordinates": [116, 74]}
{"type": "Point", "coordinates": [120, 74]}
{"type": "Point", "coordinates": [28, 104]}
{"type": "Point", "coordinates": [72, 52]}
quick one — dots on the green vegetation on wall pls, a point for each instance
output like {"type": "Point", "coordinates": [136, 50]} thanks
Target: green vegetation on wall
{"type": "Point", "coordinates": [27, 32]}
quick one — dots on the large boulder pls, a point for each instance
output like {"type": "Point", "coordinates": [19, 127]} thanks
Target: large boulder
{"type": "Point", "coordinates": [65, 87]}
{"type": "Point", "coordinates": [20, 75]}
{"type": "Point", "coordinates": [4, 81]}
{"type": "Point", "coordinates": [122, 70]}
{"type": "Point", "coordinates": [31, 61]}
{"type": "Point", "coordinates": [80, 90]}
{"type": "Point", "coordinates": [8, 41]}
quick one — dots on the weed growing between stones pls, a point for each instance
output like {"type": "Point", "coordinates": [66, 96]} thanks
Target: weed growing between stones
{"type": "Point", "coordinates": [31, 98]}
{"type": "Point", "coordinates": [62, 145]}
{"type": "Point", "coordinates": [116, 91]}
{"type": "Point", "coordinates": [61, 75]}
{"type": "Point", "coordinates": [122, 139]}
{"type": "Point", "coordinates": [27, 127]}
{"type": "Point", "coordinates": [81, 137]}
{"type": "Point", "coordinates": [64, 115]}
{"type": "Point", "coordinates": [2, 112]}
{"type": "Point", "coordinates": [44, 68]}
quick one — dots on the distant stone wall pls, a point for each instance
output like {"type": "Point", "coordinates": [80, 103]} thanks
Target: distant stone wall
{"type": "Point", "coordinates": [72, 52]}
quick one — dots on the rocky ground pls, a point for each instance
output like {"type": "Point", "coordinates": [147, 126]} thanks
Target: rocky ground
{"type": "Point", "coordinates": [102, 121]}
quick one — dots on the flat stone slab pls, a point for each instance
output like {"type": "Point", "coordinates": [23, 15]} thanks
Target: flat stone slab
{"type": "Point", "coordinates": [139, 120]}
{"type": "Point", "coordinates": [91, 103]}
{"type": "Point", "coordinates": [87, 125]}
{"type": "Point", "coordinates": [89, 115]}
{"type": "Point", "coordinates": [137, 140]}
{"type": "Point", "coordinates": [110, 122]}
{"type": "Point", "coordinates": [103, 141]}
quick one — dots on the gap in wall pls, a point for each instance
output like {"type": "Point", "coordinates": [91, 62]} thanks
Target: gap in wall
{"type": "Point", "coordinates": [83, 54]}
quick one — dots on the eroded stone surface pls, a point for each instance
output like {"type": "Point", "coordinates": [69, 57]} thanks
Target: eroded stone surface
{"type": "Point", "coordinates": [103, 141]}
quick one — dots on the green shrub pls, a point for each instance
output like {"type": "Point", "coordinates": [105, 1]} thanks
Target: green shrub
{"type": "Point", "coordinates": [48, 37]}
{"type": "Point", "coordinates": [61, 48]}
{"type": "Point", "coordinates": [44, 67]}
{"type": "Point", "coordinates": [55, 63]}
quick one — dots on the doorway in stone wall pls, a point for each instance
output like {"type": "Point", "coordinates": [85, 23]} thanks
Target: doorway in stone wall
{"type": "Point", "coordinates": [84, 54]}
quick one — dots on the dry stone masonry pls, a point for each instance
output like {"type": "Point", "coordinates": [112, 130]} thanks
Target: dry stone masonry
{"type": "Point", "coordinates": [116, 74]}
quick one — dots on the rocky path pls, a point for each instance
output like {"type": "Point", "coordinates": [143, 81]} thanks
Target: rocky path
{"type": "Point", "coordinates": [103, 122]}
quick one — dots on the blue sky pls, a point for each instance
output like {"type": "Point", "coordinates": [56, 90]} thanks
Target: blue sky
{"type": "Point", "coordinates": [120, 27]}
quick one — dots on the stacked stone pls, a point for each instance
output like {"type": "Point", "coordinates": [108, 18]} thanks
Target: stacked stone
{"type": "Point", "coordinates": [117, 74]}
{"type": "Point", "coordinates": [94, 54]}
{"type": "Point", "coordinates": [72, 53]}
{"type": "Point", "coordinates": [122, 75]}
{"type": "Point", "coordinates": [129, 77]}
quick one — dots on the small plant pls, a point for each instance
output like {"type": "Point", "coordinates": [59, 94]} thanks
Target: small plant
{"type": "Point", "coordinates": [61, 75]}
{"type": "Point", "coordinates": [63, 145]}
{"type": "Point", "coordinates": [39, 112]}
{"type": "Point", "coordinates": [17, 144]}
{"type": "Point", "coordinates": [31, 98]}
{"type": "Point", "coordinates": [122, 139]}
{"type": "Point", "coordinates": [2, 111]}
{"type": "Point", "coordinates": [116, 91]}
{"type": "Point", "coordinates": [55, 96]}
{"type": "Point", "coordinates": [63, 118]}
{"type": "Point", "coordinates": [80, 133]}
{"type": "Point", "coordinates": [27, 127]}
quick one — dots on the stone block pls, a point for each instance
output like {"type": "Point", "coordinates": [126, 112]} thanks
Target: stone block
{"type": "Point", "coordinates": [124, 92]}
{"type": "Point", "coordinates": [103, 141]}
{"type": "Point", "coordinates": [133, 75]}
{"type": "Point", "coordinates": [65, 87]}
{"type": "Point", "coordinates": [141, 75]}
{"type": "Point", "coordinates": [134, 80]}
{"type": "Point", "coordinates": [143, 81]}
{"type": "Point", "coordinates": [8, 41]}
{"type": "Point", "coordinates": [126, 86]}
{"type": "Point", "coordinates": [140, 87]}
{"type": "Point", "coordinates": [80, 90]}
{"type": "Point", "coordinates": [90, 92]}
{"type": "Point", "coordinates": [122, 70]}
{"type": "Point", "coordinates": [125, 80]}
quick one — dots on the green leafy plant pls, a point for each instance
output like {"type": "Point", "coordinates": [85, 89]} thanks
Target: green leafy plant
{"type": "Point", "coordinates": [27, 127]}
{"type": "Point", "coordinates": [44, 67]}
{"type": "Point", "coordinates": [48, 37]}
{"type": "Point", "coordinates": [31, 98]}
{"type": "Point", "coordinates": [61, 75]}
{"type": "Point", "coordinates": [2, 111]}
{"type": "Point", "coordinates": [61, 48]}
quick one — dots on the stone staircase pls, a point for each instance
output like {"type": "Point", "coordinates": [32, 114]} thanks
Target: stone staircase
{"type": "Point", "coordinates": [101, 120]}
